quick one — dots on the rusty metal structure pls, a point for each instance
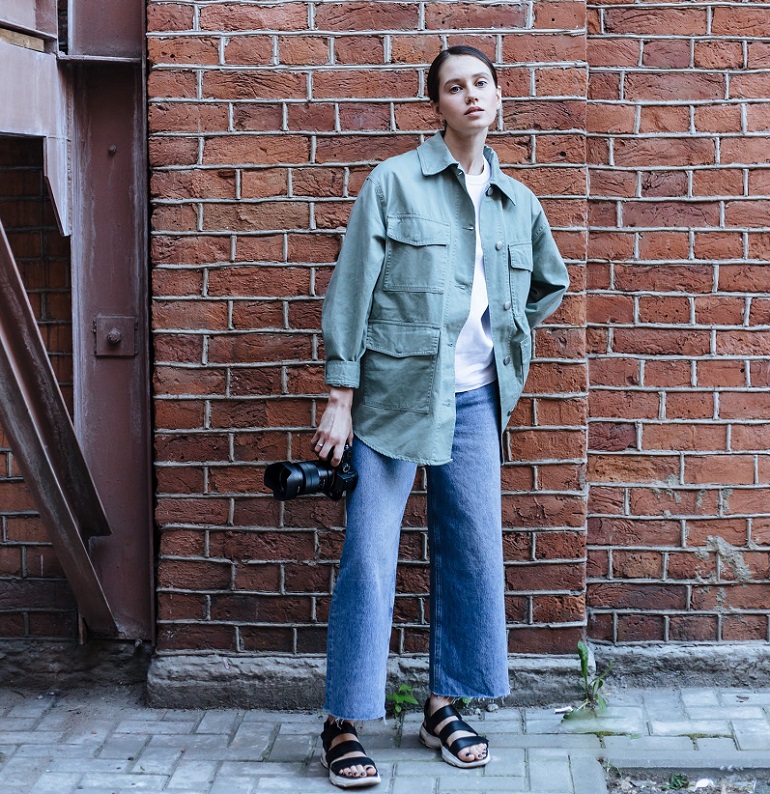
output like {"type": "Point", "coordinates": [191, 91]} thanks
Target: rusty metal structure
{"type": "Point", "coordinates": [73, 76]}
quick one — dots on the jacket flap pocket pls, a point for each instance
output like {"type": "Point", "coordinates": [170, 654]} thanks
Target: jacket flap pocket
{"type": "Point", "coordinates": [416, 230]}
{"type": "Point", "coordinates": [520, 255]}
{"type": "Point", "coordinates": [400, 340]}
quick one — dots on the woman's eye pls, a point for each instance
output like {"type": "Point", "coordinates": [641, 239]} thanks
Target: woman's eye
{"type": "Point", "coordinates": [482, 83]}
{"type": "Point", "coordinates": [454, 89]}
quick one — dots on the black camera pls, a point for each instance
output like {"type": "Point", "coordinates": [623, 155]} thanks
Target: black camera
{"type": "Point", "coordinates": [287, 480]}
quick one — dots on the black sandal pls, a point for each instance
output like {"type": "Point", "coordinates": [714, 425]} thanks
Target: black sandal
{"type": "Point", "coordinates": [450, 753]}
{"type": "Point", "coordinates": [332, 761]}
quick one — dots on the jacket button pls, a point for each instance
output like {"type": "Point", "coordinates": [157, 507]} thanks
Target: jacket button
{"type": "Point", "coordinates": [507, 305]}
{"type": "Point", "coordinates": [507, 360]}
{"type": "Point", "coordinates": [489, 190]}
{"type": "Point", "coordinates": [399, 349]}
{"type": "Point", "coordinates": [499, 245]}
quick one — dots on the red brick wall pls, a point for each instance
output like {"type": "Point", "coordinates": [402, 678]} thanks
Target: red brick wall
{"type": "Point", "coordinates": [678, 321]}
{"type": "Point", "coordinates": [264, 120]}
{"type": "Point", "coordinates": [35, 599]}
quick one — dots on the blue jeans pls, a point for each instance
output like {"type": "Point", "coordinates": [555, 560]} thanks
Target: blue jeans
{"type": "Point", "coordinates": [468, 644]}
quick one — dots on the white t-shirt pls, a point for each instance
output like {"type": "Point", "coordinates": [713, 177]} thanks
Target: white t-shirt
{"type": "Point", "coordinates": [474, 351]}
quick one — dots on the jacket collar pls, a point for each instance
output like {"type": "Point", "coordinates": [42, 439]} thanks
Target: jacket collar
{"type": "Point", "coordinates": [435, 157]}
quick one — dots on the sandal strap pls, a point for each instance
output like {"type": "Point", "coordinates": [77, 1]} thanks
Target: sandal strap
{"type": "Point", "coordinates": [445, 712]}
{"type": "Point", "coordinates": [455, 725]}
{"type": "Point", "coordinates": [360, 760]}
{"type": "Point", "coordinates": [466, 741]}
{"type": "Point", "coordinates": [332, 730]}
{"type": "Point", "coordinates": [342, 749]}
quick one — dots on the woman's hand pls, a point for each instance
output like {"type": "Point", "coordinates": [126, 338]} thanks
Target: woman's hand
{"type": "Point", "coordinates": [336, 426]}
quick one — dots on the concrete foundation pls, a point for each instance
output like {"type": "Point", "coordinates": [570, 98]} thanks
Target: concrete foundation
{"type": "Point", "coordinates": [297, 682]}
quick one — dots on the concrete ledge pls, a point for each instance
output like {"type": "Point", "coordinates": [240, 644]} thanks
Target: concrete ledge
{"type": "Point", "coordinates": [297, 682]}
{"type": "Point", "coordinates": [743, 665]}
{"type": "Point", "coordinates": [68, 665]}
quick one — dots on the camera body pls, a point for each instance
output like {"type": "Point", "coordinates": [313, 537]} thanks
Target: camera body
{"type": "Point", "coordinates": [287, 480]}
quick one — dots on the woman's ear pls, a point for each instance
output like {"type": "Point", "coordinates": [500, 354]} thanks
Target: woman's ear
{"type": "Point", "coordinates": [499, 97]}
{"type": "Point", "coordinates": [436, 110]}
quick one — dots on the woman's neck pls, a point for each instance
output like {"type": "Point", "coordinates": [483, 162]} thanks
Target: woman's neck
{"type": "Point", "coordinates": [467, 150]}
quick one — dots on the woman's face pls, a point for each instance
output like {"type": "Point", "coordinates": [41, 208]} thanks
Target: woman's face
{"type": "Point", "coordinates": [468, 98]}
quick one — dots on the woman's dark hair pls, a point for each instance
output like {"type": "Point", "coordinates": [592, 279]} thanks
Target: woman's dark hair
{"type": "Point", "coordinates": [459, 49]}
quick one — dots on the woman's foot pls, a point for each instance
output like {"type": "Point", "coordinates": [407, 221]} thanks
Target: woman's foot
{"type": "Point", "coordinates": [344, 757]}
{"type": "Point", "coordinates": [443, 727]}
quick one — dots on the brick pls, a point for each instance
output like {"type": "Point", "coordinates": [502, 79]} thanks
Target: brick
{"type": "Point", "coordinates": [689, 405]}
{"type": "Point", "coordinates": [182, 50]}
{"type": "Point", "coordinates": [745, 150]}
{"type": "Point", "coordinates": [196, 636]}
{"type": "Point", "coordinates": [718, 245]}
{"type": "Point", "coordinates": [264, 216]}
{"type": "Point", "coordinates": [365, 83]}
{"type": "Point", "coordinates": [611, 436]}
{"type": "Point", "coordinates": [163, 17]}
{"type": "Point", "coordinates": [740, 628]}
{"type": "Point", "coordinates": [640, 628]}
{"type": "Point", "coordinates": [173, 151]}
{"type": "Point", "coordinates": [303, 50]}
{"type": "Point", "coordinates": [604, 85]}
{"type": "Point", "coordinates": [693, 628]}
{"type": "Point", "coordinates": [542, 48]}
{"type": "Point", "coordinates": [717, 118]}
{"type": "Point", "coordinates": [631, 468]}
{"type": "Point", "coordinates": [664, 183]}
{"type": "Point", "coordinates": [667, 373]}
{"type": "Point", "coordinates": [747, 86]}
{"type": "Point", "coordinates": [248, 50]}
{"type": "Point", "coordinates": [679, 86]}
{"type": "Point", "coordinates": [637, 596]}
{"type": "Point", "coordinates": [171, 83]}
{"type": "Point", "coordinates": [633, 532]}
{"type": "Point", "coordinates": [651, 214]}
{"type": "Point", "coordinates": [697, 565]}
{"type": "Point", "coordinates": [751, 342]}
{"type": "Point", "coordinates": [667, 53]}
{"type": "Point", "coordinates": [677, 278]}
{"type": "Point", "coordinates": [364, 49]}
{"type": "Point", "coordinates": [672, 501]}
{"type": "Point", "coordinates": [257, 117]}
{"type": "Point", "coordinates": [637, 564]}
{"type": "Point", "coordinates": [722, 373]}
{"type": "Point", "coordinates": [656, 21]}
{"type": "Point", "coordinates": [560, 81]}
{"type": "Point", "coordinates": [664, 310]}
{"type": "Point", "coordinates": [464, 16]}
{"type": "Point", "coordinates": [254, 85]}
{"type": "Point", "coordinates": [248, 17]}
{"type": "Point", "coordinates": [740, 21]}
{"type": "Point", "coordinates": [730, 597]}
{"type": "Point", "coordinates": [719, 54]}
{"type": "Point", "coordinates": [758, 117]}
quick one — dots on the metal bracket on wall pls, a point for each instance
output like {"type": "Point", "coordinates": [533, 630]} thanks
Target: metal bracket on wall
{"type": "Point", "coordinates": [115, 336]}
{"type": "Point", "coordinates": [35, 419]}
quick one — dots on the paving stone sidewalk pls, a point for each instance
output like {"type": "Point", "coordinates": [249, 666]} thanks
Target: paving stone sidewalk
{"type": "Point", "coordinates": [107, 741]}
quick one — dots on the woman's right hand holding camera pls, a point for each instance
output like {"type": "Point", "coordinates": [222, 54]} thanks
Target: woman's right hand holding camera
{"type": "Point", "coordinates": [336, 426]}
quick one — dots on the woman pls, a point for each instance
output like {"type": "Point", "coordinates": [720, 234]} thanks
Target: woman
{"type": "Point", "coordinates": [446, 267]}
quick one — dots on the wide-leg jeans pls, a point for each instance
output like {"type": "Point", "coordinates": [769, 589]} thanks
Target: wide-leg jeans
{"type": "Point", "coordinates": [468, 644]}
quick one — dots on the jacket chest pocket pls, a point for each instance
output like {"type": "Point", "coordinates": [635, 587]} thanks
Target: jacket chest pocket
{"type": "Point", "coordinates": [399, 366]}
{"type": "Point", "coordinates": [520, 275]}
{"type": "Point", "coordinates": [416, 254]}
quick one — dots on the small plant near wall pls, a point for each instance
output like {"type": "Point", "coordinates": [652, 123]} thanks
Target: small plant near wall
{"type": "Point", "coordinates": [399, 701]}
{"type": "Point", "coordinates": [594, 701]}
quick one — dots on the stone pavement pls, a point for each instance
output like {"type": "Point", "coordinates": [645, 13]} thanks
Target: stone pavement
{"type": "Point", "coordinates": [106, 741]}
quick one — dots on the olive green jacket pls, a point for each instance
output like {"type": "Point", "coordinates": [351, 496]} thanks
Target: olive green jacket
{"type": "Point", "coordinates": [401, 290]}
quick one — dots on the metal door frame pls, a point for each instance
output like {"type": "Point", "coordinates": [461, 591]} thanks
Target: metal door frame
{"type": "Point", "coordinates": [85, 98]}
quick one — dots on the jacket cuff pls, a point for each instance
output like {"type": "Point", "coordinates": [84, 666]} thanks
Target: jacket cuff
{"type": "Point", "coordinates": [345, 374]}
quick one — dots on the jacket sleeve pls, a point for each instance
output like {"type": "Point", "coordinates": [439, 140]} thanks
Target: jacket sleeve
{"type": "Point", "coordinates": [549, 273]}
{"type": "Point", "coordinates": [349, 297]}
